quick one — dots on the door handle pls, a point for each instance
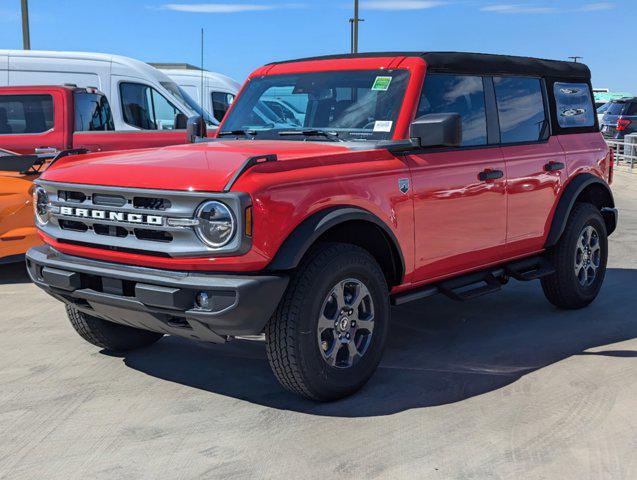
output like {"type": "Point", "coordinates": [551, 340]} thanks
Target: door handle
{"type": "Point", "coordinates": [554, 166]}
{"type": "Point", "coordinates": [485, 175]}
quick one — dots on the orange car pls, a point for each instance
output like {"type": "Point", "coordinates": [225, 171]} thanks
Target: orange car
{"type": "Point", "coordinates": [17, 231]}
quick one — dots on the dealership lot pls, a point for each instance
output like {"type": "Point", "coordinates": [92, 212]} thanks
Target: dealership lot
{"type": "Point", "coordinates": [504, 386]}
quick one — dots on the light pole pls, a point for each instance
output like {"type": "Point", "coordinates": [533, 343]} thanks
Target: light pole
{"type": "Point", "coordinates": [26, 38]}
{"type": "Point", "coordinates": [354, 28]}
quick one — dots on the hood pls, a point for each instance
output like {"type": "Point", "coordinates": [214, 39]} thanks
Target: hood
{"type": "Point", "coordinates": [197, 167]}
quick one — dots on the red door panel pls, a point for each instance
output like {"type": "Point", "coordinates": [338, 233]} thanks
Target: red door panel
{"type": "Point", "coordinates": [532, 192]}
{"type": "Point", "coordinates": [460, 220]}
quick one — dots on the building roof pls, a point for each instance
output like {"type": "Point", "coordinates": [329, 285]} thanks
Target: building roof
{"type": "Point", "coordinates": [482, 63]}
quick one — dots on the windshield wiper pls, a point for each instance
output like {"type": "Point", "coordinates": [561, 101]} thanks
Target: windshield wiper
{"type": "Point", "coordinates": [237, 132]}
{"type": "Point", "coordinates": [311, 133]}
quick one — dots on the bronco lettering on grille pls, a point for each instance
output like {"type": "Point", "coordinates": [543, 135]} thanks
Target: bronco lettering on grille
{"type": "Point", "coordinates": [112, 216]}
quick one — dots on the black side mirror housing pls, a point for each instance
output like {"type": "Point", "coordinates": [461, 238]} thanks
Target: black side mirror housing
{"type": "Point", "coordinates": [437, 130]}
{"type": "Point", "coordinates": [196, 128]}
{"type": "Point", "coordinates": [181, 121]}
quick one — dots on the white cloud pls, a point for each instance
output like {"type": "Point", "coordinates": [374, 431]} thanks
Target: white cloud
{"type": "Point", "coordinates": [518, 8]}
{"type": "Point", "coordinates": [225, 7]}
{"type": "Point", "coordinates": [596, 7]}
{"type": "Point", "coordinates": [399, 4]}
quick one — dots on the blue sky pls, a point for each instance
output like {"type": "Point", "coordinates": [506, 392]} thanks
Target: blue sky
{"type": "Point", "coordinates": [242, 35]}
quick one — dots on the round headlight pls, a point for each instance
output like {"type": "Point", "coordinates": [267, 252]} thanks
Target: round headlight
{"type": "Point", "coordinates": [41, 205]}
{"type": "Point", "coordinates": [216, 224]}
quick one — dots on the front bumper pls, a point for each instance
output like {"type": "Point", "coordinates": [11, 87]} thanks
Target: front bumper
{"type": "Point", "coordinates": [158, 300]}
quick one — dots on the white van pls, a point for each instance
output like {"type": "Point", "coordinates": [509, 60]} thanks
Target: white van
{"type": "Point", "coordinates": [141, 97]}
{"type": "Point", "coordinates": [219, 90]}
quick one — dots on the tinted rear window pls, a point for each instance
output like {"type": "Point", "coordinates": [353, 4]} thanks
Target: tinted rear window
{"type": "Point", "coordinates": [622, 108]}
{"type": "Point", "coordinates": [25, 113]}
{"type": "Point", "coordinates": [574, 105]}
{"type": "Point", "coordinates": [520, 109]}
{"type": "Point", "coordinates": [92, 113]}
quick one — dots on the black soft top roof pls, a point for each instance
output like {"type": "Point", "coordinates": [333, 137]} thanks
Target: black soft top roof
{"type": "Point", "coordinates": [480, 63]}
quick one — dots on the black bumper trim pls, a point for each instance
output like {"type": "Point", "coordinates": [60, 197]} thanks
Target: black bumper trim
{"type": "Point", "coordinates": [159, 300]}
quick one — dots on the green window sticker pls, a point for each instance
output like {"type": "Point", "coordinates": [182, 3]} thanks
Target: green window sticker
{"type": "Point", "coordinates": [381, 84]}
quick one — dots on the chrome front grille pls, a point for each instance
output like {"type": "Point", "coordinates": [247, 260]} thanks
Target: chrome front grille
{"type": "Point", "coordinates": [129, 219]}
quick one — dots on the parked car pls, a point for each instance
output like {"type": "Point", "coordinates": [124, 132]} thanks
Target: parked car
{"type": "Point", "coordinates": [411, 175]}
{"type": "Point", "coordinates": [43, 122]}
{"type": "Point", "coordinates": [141, 97]}
{"type": "Point", "coordinates": [218, 92]}
{"type": "Point", "coordinates": [620, 118]}
{"type": "Point", "coordinates": [601, 109]}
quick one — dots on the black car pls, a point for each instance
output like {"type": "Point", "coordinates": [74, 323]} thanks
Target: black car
{"type": "Point", "coordinates": [620, 118]}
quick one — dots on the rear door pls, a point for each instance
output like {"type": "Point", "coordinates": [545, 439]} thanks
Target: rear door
{"type": "Point", "coordinates": [459, 193]}
{"type": "Point", "coordinates": [535, 161]}
{"type": "Point", "coordinates": [33, 120]}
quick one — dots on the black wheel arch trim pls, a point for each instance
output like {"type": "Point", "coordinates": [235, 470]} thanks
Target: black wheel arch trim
{"type": "Point", "coordinates": [309, 230]}
{"type": "Point", "coordinates": [569, 196]}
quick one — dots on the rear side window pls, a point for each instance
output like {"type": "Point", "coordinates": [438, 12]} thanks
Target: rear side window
{"type": "Point", "coordinates": [25, 114]}
{"type": "Point", "coordinates": [92, 113]}
{"type": "Point", "coordinates": [462, 94]}
{"type": "Point", "coordinates": [574, 105]}
{"type": "Point", "coordinates": [622, 108]}
{"type": "Point", "coordinates": [146, 108]}
{"type": "Point", "coordinates": [520, 109]}
{"type": "Point", "coordinates": [221, 102]}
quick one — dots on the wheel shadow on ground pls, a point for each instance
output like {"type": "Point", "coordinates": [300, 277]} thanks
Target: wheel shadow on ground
{"type": "Point", "coordinates": [439, 352]}
{"type": "Point", "coordinates": [12, 273]}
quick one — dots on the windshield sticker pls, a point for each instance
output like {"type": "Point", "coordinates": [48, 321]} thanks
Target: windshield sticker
{"type": "Point", "coordinates": [383, 125]}
{"type": "Point", "coordinates": [381, 84]}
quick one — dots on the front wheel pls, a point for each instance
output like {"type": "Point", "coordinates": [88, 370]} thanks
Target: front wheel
{"type": "Point", "coordinates": [579, 260]}
{"type": "Point", "coordinates": [328, 334]}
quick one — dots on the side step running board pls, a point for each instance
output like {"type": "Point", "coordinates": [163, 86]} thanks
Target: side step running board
{"type": "Point", "coordinates": [480, 283]}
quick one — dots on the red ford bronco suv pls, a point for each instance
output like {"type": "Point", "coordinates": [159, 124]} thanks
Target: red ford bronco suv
{"type": "Point", "coordinates": [336, 186]}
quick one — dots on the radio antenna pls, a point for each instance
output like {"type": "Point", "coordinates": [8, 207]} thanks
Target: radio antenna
{"type": "Point", "coordinates": [201, 102]}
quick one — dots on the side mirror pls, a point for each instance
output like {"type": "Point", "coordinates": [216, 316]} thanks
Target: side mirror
{"type": "Point", "coordinates": [195, 128]}
{"type": "Point", "coordinates": [181, 121]}
{"type": "Point", "coordinates": [437, 130]}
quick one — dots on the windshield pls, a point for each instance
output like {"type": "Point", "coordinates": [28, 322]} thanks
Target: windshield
{"type": "Point", "coordinates": [187, 100]}
{"type": "Point", "coordinates": [343, 105]}
{"type": "Point", "coordinates": [603, 107]}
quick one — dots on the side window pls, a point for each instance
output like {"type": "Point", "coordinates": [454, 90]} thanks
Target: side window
{"type": "Point", "coordinates": [462, 94]}
{"type": "Point", "coordinates": [574, 105]}
{"type": "Point", "coordinates": [92, 113]}
{"type": "Point", "coordinates": [146, 108]}
{"type": "Point", "coordinates": [221, 102]}
{"type": "Point", "coordinates": [25, 114]}
{"type": "Point", "coordinates": [520, 109]}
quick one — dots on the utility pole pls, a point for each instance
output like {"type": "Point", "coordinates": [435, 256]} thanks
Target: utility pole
{"type": "Point", "coordinates": [575, 59]}
{"type": "Point", "coordinates": [26, 38]}
{"type": "Point", "coordinates": [354, 28]}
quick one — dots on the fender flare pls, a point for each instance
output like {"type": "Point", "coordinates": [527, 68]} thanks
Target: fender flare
{"type": "Point", "coordinates": [309, 230]}
{"type": "Point", "coordinates": [568, 198]}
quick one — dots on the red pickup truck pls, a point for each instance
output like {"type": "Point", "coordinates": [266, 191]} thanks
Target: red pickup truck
{"type": "Point", "coordinates": [54, 118]}
{"type": "Point", "coordinates": [390, 177]}
{"type": "Point", "coordinates": [46, 120]}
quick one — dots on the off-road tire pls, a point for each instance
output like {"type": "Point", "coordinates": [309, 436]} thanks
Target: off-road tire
{"type": "Point", "coordinates": [291, 338]}
{"type": "Point", "coordinates": [109, 335]}
{"type": "Point", "coordinates": [562, 288]}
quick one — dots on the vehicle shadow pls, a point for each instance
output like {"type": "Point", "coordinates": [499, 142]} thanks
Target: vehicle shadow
{"type": "Point", "coordinates": [12, 273]}
{"type": "Point", "coordinates": [439, 351]}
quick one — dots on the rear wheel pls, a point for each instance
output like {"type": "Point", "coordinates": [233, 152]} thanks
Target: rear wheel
{"type": "Point", "coordinates": [328, 334]}
{"type": "Point", "coordinates": [109, 335]}
{"type": "Point", "coordinates": [579, 259]}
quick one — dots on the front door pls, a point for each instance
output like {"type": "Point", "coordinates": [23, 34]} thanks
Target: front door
{"type": "Point", "coordinates": [460, 193]}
